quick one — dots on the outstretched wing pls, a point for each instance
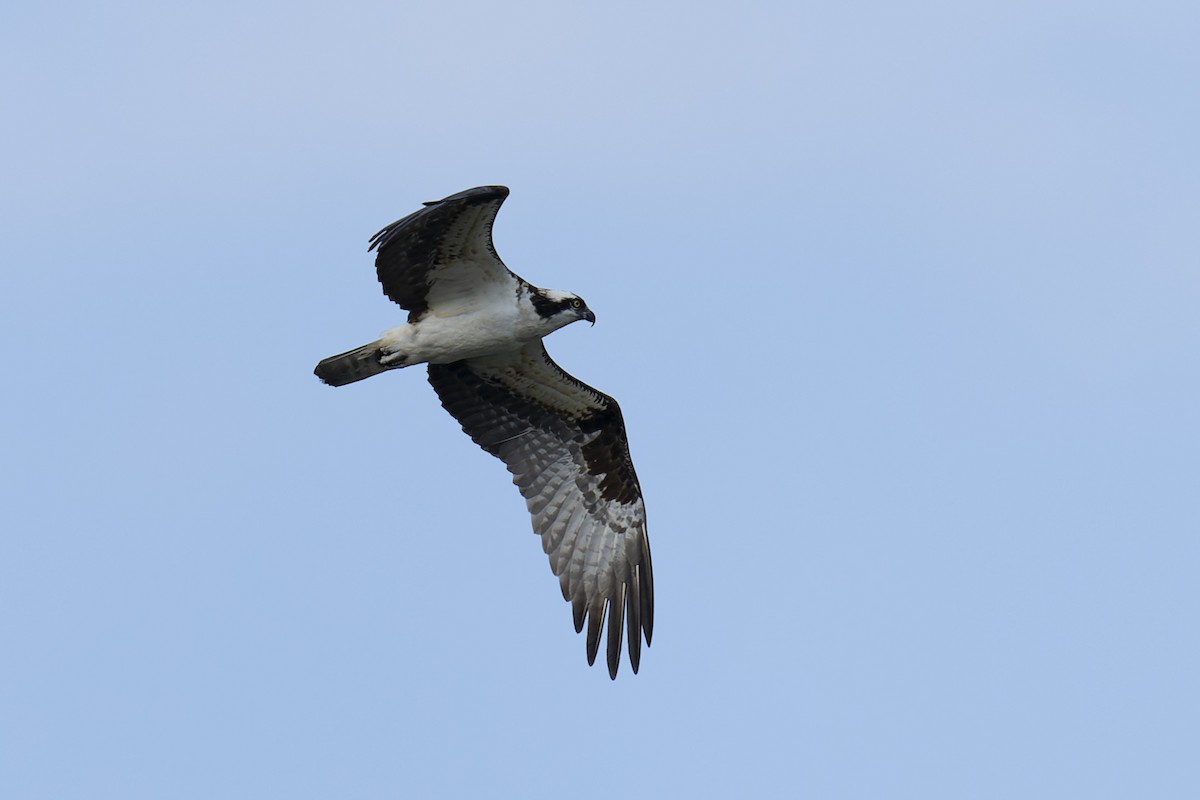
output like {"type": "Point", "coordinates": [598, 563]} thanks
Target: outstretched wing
{"type": "Point", "coordinates": [564, 442]}
{"type": "Point", "coordinates": [442, 256]}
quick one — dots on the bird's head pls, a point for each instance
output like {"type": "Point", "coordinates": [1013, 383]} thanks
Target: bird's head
{"type": "Point", "coordinates": [561, 308]}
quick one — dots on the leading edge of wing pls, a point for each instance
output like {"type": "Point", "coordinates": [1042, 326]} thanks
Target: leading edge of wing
{"type": "Point", "coordinates": [467, 197]}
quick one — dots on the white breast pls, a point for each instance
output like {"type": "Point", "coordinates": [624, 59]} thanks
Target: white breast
{"type": "Point", "coordinates": [441, 338]}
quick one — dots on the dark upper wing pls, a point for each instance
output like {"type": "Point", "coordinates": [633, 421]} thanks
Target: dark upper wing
{"type": "Point", "coordinates": [443, 253]}
{"type": "Point", "coordinates": [564, 442]}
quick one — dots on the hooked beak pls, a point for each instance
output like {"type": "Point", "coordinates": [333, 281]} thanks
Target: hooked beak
{"type": "Point", "coordinates": [589, 316]}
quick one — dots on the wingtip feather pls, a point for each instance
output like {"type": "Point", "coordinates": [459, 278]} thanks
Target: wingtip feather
{"type": "Point", "coordinates": [633, 623]}
{"type": "Point", "coordinates": [595, 628]}
{"type": "Point", "coordinates": [578, 612]}
{"type": "Point", "coordinates": [615, 621]}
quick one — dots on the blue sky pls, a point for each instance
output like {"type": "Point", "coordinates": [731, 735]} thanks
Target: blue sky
{"type": "Point", "coordinates": [899, 302]}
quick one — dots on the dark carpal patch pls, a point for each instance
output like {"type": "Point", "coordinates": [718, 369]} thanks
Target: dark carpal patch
{"type": "Point", "coordinates": [608, 454]}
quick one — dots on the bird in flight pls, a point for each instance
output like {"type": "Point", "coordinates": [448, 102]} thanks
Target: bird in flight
{"type": "Point", "coordinates": [479, 327]}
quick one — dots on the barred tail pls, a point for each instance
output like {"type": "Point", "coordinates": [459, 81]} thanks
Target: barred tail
{"type": "Point", "coordinates": [354, 365]}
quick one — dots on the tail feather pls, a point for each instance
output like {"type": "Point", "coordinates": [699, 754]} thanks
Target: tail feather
{"type": "Point", "coordinates": [354, 365]}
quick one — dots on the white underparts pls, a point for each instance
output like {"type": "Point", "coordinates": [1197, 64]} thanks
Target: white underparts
{"type": "Point", "coordinates": [469, 333]}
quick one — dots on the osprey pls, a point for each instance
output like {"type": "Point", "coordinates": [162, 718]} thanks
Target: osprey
{"type": "Point", "coordinates": [479, 327]}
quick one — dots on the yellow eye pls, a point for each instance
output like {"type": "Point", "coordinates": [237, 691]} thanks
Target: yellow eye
{"type": "Point", "coordinates": [576, 303]}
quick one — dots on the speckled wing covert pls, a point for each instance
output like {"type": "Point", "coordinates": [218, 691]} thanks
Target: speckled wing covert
{"type": "Point", "coordinates": [564, 442]}
{"type": "Point", "coordinates": [443, 254]}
